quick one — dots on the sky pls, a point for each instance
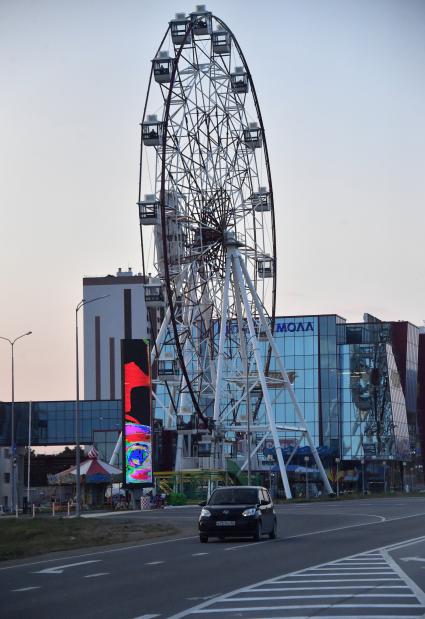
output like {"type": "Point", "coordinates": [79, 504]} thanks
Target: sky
{"type": "Point", "coordinates": [341, 86]}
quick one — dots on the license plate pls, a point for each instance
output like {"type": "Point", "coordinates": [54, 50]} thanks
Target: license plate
{"type": "Point", "coordinates": [225, 523]}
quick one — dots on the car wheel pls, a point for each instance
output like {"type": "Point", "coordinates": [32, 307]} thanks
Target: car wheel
{"type": "Point", "coordinates": [257, 533]}
{"type": "Point", "coordinates": [273, 532]}
{"type": "Point", "coordinates": [203, 538]}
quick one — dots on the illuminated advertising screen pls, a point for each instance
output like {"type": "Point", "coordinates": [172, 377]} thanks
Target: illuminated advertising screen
{"type": "Point", "coordinates": [137, 417]}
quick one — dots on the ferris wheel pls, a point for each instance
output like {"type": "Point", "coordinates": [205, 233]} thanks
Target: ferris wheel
{"type": "Point", "coordinates": [208, 235]}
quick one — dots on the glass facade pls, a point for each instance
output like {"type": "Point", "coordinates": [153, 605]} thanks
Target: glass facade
{"type": "Point", "coordinates": [297, 341]}
{"type": "Point", "coordinates": [356, 384]}
{"type": "Point", "coordinates": [373, 410]}
{"type": "Point", "coordinates": [53, 423]}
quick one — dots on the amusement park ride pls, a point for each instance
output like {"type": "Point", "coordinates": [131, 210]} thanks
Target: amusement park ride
{"type": "Point", "coordinates": [207, 224]}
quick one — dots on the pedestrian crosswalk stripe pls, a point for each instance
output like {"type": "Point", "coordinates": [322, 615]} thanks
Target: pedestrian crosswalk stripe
{"type": "Point", "coordinates": [352, 588]}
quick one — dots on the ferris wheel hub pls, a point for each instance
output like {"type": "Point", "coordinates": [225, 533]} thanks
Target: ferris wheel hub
{"type": "Point", "coordinates": [230, 239]}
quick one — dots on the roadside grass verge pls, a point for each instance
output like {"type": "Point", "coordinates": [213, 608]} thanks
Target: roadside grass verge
{"type": "Point", "coordinates": [21, 538]}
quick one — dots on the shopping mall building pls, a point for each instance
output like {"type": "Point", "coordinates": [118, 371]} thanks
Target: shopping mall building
{"type": "Point", "coordinates": [361, 387]}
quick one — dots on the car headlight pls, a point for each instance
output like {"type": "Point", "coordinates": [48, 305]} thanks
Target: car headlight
{"type": "Point", "coordinates": [251, 511]}
{"type": "Point", "coordinates": [205, 513]}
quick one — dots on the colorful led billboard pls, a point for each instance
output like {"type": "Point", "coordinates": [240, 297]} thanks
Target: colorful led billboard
{"type": "Point", "coordinates": [137, 416]}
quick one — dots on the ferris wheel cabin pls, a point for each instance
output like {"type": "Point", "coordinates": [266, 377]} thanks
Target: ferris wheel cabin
{"type": "Point", "coordinates": [252, 136]}
{"type": "Point", "coordinates": [168, 369]}
{"type": "Point", "coordinates": [149, 211]}
{"type": "Point", "coordinates": [202, 21]}
{"type": "Point", "coordinates": [154, 294]}
{"type": "Point", "coordinates": [162, 67]}
{"type": "Point", "coordinates": [261, 200]}
{"type": "Point", "coordinates": [179, 28]}
{"type": "Point", "coordinates": [221, 42]}
{"type": "Point", "coordinates": [150, 208]}
{"type": "Point", "coordinates": [239, 80]}
{"type": "Point", "coordinates": [152, 130]}
{"type": "Point", "coordinates": [265, 266]}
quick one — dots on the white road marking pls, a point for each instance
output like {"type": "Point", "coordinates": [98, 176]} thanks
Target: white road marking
{"type": "Point", "coordinates": [156, 615]}
{"type": "Point", "coordinates": [250, 545]}
{"type": "Point", "coordinates": [199, 554]}
{"type": "Point", "coordinates": [413, 559]}
{"type": "Point", "coordinates": [259, 598]}
{"type": "Point", "coordinates": [178, 539]}
{"type": "Point", "coordinates": [265, 598]}
{"type": "Point", "coordinates": [60, 568]}
{"type": "Point", "coordinates": [418, 591]}
{"type": "Point", "coordinates": [368, 562]}
{"type": "Point", "coordinates": [305, 580]}
{"type": "Point", "coordinates": [340, 574]}
{"type": "Point", "coordinates": [154, 562]}
{"type": "Point", "coordinates": [98, 574]}
{"type": "Point", "coordinates": [364, 570]}
{"type": "Point", "coordinates": [203, 597]}
{"type": "Point", "coordinates": [98, 552]}
{"type": "Point", "coordinates": [345, 587]}
{"type": "Point", "coordinates": [25, 589]}
{"type": "Point", "coordinates": [298, 607]}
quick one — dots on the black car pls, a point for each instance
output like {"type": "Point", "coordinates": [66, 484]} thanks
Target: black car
{"type": "Point", "coordinates": [238, 511]}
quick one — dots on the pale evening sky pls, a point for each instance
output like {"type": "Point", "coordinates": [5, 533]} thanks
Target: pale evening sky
{"type": "Point", "coordinates": [341, 85]}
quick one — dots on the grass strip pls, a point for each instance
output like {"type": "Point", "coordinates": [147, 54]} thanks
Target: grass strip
{"type": "Point", "coordinates": [21, 538]}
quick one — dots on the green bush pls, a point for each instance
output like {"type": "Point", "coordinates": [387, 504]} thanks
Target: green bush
{"type": "Point", "coordinates": [177, 498]}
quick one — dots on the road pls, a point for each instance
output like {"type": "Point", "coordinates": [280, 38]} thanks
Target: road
{"type": "Point", "coordinates": [360, 558]}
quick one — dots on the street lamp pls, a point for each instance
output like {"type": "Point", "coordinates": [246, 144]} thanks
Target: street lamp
{"type": "Point", "coordinates": [13, 447]}
{"type": "Point", "coordinates": [337, 461]}
{"type": "Point", "coordinates": [306, 461]}
{"type": "Point", "coordinates": [77, 402]}
{"type": "Point", "coordinates": [384, 462]}
{"type": "Point", "coordinates": [362, 463]}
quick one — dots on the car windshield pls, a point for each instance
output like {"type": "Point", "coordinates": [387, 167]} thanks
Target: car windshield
{"type": "Point", "coordinates": [234, 496]}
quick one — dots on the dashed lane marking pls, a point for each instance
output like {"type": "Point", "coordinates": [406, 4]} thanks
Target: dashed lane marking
{"type": "Point", "coordinates": [96, 575]}
{"type": "Point", "coordinates": [154, 562]}
{"type": "Point", "coordinates": [24, 589]}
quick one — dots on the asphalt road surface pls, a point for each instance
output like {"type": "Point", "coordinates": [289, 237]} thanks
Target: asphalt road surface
{"type": "Point", "coordinates": [349, 559]}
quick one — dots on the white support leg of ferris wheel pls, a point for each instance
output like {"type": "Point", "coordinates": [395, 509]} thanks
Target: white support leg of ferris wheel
{"type": "Point", "coordinates": [259, 444]}
{"type": "Point", "coordinates": [116, 451]}
{"type": "Point", "coordinates": [160, 336]}
{"type": "Point", "coordinates": [236, 262]}
{"type": "Point", "coordinates": [156, 348]}
{"type": "Point", "coordinates": [288, 384]}
{"type": "Point", "coordinates": [245, 364]}
{"type": "Point", "coordinates": [222, 339]}
{"type": "Point", "coordinates": [185, 402]}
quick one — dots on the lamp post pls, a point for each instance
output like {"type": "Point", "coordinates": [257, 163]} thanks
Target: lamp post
{"type": "Point", "coordinates": [337, 461]}
{"type": "Point", "coordinates": [384, 463]}
{"type": "Point", "coordinates": [306, 461]}
{"type": "Point", "coordinates": [362, 463]}
{"type": "Point", "coordinates": [270, 462]}
{"type": "Point", "coordinates": [77, 403]}
{"type": "Point", "coordinates": [403, 482]}
{"type": "Point", "coordinates": [12, 441]}
{"type": "Point", "coordinates": [29, 454]}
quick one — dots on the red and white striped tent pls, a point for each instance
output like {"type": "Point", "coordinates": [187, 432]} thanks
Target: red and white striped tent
{"type": "Point", "coordinates": [94, 471]}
